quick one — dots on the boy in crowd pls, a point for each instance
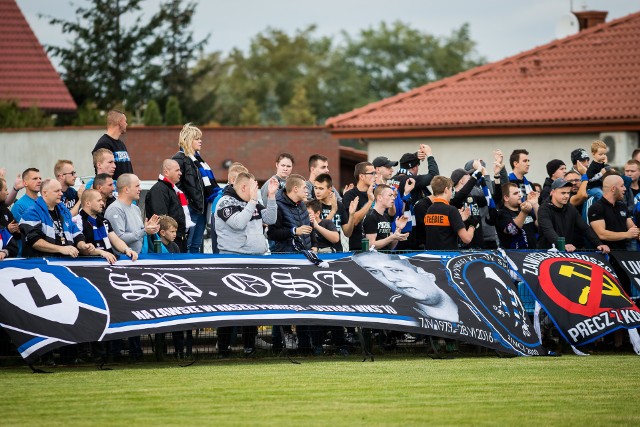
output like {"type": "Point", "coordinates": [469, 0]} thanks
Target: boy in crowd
{"type": "Point", "coordinates": [168, 232]}
{"type": "Point", "coordinates": [597, 168]}
{"type": "Point", "coordinates": [377, 223]}
{"type": "Point", "coordinates": [325, 237]}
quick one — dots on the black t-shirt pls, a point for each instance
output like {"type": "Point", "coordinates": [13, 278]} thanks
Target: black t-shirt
{"type": "Point", "coordinates": [420, 210]}
{"type": "Point", "coordinates": [512, 237]}
{"type": "Point", "coordinates": [120, 153]}
{"type": "Point", "coordinates": [319, 241]}
{"type": "Point", "coordinates": [442, 223]}
{"type": "Point", "coordinates": [341, 216]}
{"type": "Point", "coordinates": [377, 224]}
{"type": "Point", "coordinates": [70, 197]}
{"type": "Point", "coordinates": [61, 239]}
{"type": "Point", "coordinates": [615, 219]}
{"type": "Point", "coordinates": [88, 232]}
{"type": "Point", "coordinates": [355, 241]}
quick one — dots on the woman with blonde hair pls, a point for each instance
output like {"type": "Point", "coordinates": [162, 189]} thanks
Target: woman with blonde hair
{"type": "Point", "coordinates": [197, 182]}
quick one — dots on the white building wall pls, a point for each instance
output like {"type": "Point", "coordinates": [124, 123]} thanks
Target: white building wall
{"type": "Point", "coordinates": [41, 149]}
{"type": "Point", "coordinates": [452, 153]}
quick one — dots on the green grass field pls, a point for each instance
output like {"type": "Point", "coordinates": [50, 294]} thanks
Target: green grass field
{"type": "Point", "coordinates": [567, 390]}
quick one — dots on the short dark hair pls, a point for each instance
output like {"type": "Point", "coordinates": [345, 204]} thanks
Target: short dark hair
{"type": "Point", "coordinates": [315, 205]}
{"type": "Point", "coordinates": [285, 156]}
{"type": "Point", "coordinates": [635, 152]}
{"type": "Point", "coordinates": [100, 179]}
{"type": "Point", "coordinates": [26, 172]}
{"type": "Point", "coordinates": [506, 188]}
{"type": "Point", "coordinates": [515, 156]}
{"type": "Point", "coordinates": [315, 158]}
{"type": "Point", "coordinates": [325, 178]}
{"type": "Point", "coordinates": [360, 168]}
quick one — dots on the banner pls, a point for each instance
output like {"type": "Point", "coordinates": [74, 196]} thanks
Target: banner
{"type": "Point", "coordinates": [629, 263]}
{"type": "Point", "coordinates": [469, 297]}
{"type": "Point", "coordinates": [579, 291]}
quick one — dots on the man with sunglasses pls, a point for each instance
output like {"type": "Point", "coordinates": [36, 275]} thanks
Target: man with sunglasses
{"type": "Point", "coordinates": [66, 176]}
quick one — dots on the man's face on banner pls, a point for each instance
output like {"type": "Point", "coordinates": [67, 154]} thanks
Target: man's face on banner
{"type": "Point", "coordinates": [400, 276]}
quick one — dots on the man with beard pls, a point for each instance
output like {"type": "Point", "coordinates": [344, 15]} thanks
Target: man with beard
{"type": "Point", "coordinates": [513, 229]}
{"type": "Point", "coordinates": [608, 215]}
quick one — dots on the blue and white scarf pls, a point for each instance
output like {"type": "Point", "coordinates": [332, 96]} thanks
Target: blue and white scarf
{"type": "Point", "coordinates": [99, 233]}
{"type": "Point", "coordinates": [527, 186]}
{"type": "Point", "coordinates": [5, 238]}
{"type": "Point", "coordinates": [211, 188]}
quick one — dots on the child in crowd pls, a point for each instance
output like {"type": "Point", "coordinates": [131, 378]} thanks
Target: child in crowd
{"type": "Point", "coordinates": [597, 168]}
{"type": "Point", "coordinates": [325, 237]}
{"type": "Point", "coordinates": [168, 230]}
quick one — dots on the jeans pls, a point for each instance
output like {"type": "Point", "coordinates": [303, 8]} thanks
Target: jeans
{"type": "Point", "coordinates": [196, 232]}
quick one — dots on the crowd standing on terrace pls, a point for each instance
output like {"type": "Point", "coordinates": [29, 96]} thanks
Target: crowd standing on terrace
{"type": "Point", "coordinates": [484, 204]}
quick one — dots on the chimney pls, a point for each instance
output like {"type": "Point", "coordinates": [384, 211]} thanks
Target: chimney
{"type": "Point", "coordinates": [590, 18]}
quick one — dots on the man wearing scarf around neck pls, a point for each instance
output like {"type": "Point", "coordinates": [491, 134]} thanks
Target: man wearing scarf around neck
{"type": "Point", "coordinates": [48, 229]}
{"type": "Point", "coordinates": [165, 198]}
{"type": "Point", "coordinates": [97, 229]}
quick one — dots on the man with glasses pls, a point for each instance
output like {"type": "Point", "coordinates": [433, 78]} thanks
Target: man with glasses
{"type": "Point", "coordinates": [66, 176]}
{"type": "Point", "coordinates": [365, 175]}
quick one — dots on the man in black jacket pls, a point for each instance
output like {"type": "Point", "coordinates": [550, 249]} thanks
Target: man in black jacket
{"type": "Point", "coordinates": [163, 199]}
{"type": "Point", "coordinates": [293, 218]}
{"type": "Point", "coordinates": [558, 218]}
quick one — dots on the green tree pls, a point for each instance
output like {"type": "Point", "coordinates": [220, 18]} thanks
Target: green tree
{"type": "Point", "coordinates": [172, 112]}
{"type": "Point", "coordinates": [396, 58]}
{"type": "Point", "coordinates": [106, 57]}
{"type": "Point", "coordinates": [152, 116]}
{"type": "Point", "coordinates": [12, 116]}
{"type": "Point", "coordinates": [271, 114]}
{"type": "Point", "coordinates": [298, 111]}
{"type": "Point", "coordinates": [250, 115]}
{"type": "Point", "coordinates": [88, 115]}
{"type": "Point", "coordinates": [177, 52]}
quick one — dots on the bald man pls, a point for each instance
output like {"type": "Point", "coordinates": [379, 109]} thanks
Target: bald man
{"type": "Point", "coordinates": [609, 217]}
{"type": "Point", "coordinates": [163, 199]}
{"type": "Point", "coordinates": [48, 229]}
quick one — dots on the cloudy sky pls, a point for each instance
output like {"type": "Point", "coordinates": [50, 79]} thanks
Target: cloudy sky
{"type": "Point", "coordinates": [501, 28]}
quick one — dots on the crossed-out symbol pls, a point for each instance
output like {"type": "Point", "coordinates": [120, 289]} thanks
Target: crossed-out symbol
{"type": "Point", "coordinates": [590, 299]}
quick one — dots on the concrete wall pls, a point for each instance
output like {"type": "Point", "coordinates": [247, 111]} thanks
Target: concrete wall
{"type": "Point", "coordinates": [452, 153]}
{"type": "Point", "coordinates": [256, 148]}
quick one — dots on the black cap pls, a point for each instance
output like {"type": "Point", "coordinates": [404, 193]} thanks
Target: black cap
{"type": "Point", "coordinates": [457, 175]}
{"type": "Point", "coordinates": [560, 183]}
{"type": "Point", "coordinates": [409, 160]}
{"type": "Point", "coordinates": [579, 154]}
{"type": "Point", "coordinates": [554, 165]}
{"type": "Point", "coordinates": [383, 161]}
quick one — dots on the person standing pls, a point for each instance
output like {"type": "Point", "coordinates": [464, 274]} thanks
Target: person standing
{"type": "Point", "coordinates": [284, 167]}
{"type": "Point", "coordinates": [197, 182]}
{"type": "Point", "coordinates": [125, 216]}
{"type": "Point", "coordinates": [362, 193]}
{"type": "Point", "coordinates": [514, 227]}
{"type": "Point", "coordinates": [377, 223]}
{"type": "Point", "coordinates": [116, 127]}
{"type": "Point", "coordinates": [32, 181]}
{"type": "Point", "coordinates": [165, 198]}
{"type": "Point", "coordinates": [66, 176]}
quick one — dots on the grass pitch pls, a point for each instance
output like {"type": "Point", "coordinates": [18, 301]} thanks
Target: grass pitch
{"type": "Point", "coordinates": [569, 390]}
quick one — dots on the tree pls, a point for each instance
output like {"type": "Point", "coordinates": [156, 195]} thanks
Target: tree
{"type": "Point", "coordinates": [250, 115]}
{"type": "Point", "coordinates": [106, 58]}
{"type": "Point", "coordinates": [12, 116]}
{"type": "Point", "coordinates": [177, 51]}
{"type": "Point", "coordinates": [172, 112]}
{"type": "Point", "coordinates": [88, 115]}
{"type": "Point", "coordinates": [152, 116]}
{"type": "Point", "coordinates": [397, 58]}
{"type": "Point", "coordinates": [271, 114]}
{"type": "Point", "coordinates": [298, 111]}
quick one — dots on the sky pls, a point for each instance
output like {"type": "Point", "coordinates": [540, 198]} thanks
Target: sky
{"type": "Point", "coordinates": [501, 28]}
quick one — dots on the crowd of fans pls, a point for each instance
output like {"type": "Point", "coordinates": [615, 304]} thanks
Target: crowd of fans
{"type": "Point", "coordinates": [389, 206]}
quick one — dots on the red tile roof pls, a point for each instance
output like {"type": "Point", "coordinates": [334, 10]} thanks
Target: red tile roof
{"type": "Point", "coordinates": [26, 74]}
{"type": "Point", "coordinates": [588, 78]}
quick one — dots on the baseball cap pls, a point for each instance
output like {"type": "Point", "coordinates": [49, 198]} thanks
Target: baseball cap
{"type": "Point", "coordinates": [457, 175]}
{"type": "Point", "coordinates": [560, 183]}
{"type": "Point", "coordinates": [409, 160]}
{"type": "Point", "coordinates": [383, 161]}
{"type": "Point", "coordinates": [579, 154]}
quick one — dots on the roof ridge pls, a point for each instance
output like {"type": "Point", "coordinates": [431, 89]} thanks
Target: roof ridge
{"type": "Point", "coordinates": [331, 122]}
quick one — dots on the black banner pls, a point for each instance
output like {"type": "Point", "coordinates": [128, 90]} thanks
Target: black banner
{"type": "Point", "coordinates": [469, 297]}
{"type": "Point", "coordinates": [628, 262]}
{"type": "Point", "coordinates": [579, 291]}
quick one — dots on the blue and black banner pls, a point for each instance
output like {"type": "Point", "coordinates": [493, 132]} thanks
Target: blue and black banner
{"type": "Point", "coordinates": [470, 297]}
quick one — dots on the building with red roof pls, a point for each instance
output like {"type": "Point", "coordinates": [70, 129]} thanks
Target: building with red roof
{"type": "Point", "coordinates": [26, 73]}
{"type": "Point", "coordinates": [550, 100]}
